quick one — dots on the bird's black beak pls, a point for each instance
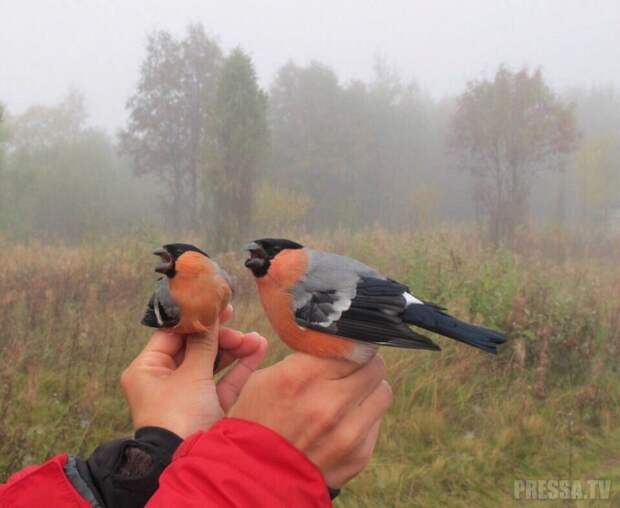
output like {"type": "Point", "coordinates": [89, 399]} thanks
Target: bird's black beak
{"type": "Point", "coordinates": [258, 257]}
{"type": "Point", "coordinates": [167, 263]}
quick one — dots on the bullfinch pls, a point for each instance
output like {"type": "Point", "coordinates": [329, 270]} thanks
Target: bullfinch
{"type": "Point", "coordinates": [192, 293]}
{"type": "Point", "coordinates": [334, 306]}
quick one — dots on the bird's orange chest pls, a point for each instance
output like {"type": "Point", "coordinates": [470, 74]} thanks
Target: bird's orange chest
{"type": "Point", "coordinates": [286, 269]}
{"type": "Point", "coordinates": [199, 291]}
{"type": "Point", "coordinates": [275, 290]}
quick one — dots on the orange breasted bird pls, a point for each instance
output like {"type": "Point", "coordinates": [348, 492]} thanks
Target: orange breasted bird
{"type": "Point", "coordinates": [334, 306]}
{"type": "Point", "coordinates": [192, 293]}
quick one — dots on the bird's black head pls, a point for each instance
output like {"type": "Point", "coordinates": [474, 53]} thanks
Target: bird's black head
{"type": "Point", "coordinates": [264, 250]}
{"type": "Point", "coordinates": [170, 253]}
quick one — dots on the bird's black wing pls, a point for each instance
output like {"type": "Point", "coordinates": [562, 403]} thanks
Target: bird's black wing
{"type": "Point", "coordinates": [162, 311]}
{"type": "Point", "coordinates": [369, 310]}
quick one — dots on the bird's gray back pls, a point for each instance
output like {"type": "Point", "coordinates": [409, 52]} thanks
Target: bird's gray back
{"type": "Point", "coordinates": [329, 272]}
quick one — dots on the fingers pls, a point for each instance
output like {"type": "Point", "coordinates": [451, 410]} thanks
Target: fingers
{"type": "Point", "coordinates": [361, 420]}
{"type": "Point", "coordinates": [314, 366]}
{"type": "Point", "coordinates": [226, 314]}
{"type": "Point", "coordinates": [250, 353]}
{"type": "Point", "coordinates": [234, 344]}
{"type": "Point", "coordinates": [359, 458]}
{"type": "Point", "coordinates": [368, 447]}
{"type": "Point", "coordinates": [164, 342]}
{"type": "Point", "coordinates": [200, 351]}
{"type": "Point", "coordinates": [161, 349]}
{"type": "Point", "coordinates": [363, 381]}
{"type": "Point", "coordinates": [201, 348]}
{"type": "Point", "coordinates": [376, 404]}
{"type": "Point", "coordinates": [229, 340]}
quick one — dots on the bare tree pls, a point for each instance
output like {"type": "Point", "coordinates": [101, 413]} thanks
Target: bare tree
{"type": "Point", "coordinates": [504, 131]}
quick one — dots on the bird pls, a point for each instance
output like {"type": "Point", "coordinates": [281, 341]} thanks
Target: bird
{"type": "Point", "coordinates": [334, 306]}
{"type": "Point", "coordinates": [192, 293]}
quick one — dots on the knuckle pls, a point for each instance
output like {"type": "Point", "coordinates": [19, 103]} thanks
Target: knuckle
{"type": "Point", "coordinates": [126, 378]}
{"type": "Point", "coordinates": [289, 385]}
{"type": "Point", "coordinates": [328, 419]}
{"type": "Point", "coordinates": [362, 456]}
{"type": "Point", "coordinates": [388, 394]}
{"type": "Point", "coordinates": [348, 438]}
{"type": "Point", "coordinates": [303, 365]}
{"type": "Point", "coordinates": [314, 414]}
{"type": "Point", "coordinates": [378, 366]}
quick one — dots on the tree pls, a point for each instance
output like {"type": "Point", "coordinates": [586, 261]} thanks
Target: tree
{"type": "Point", "coordinates": [309, 156]}
{"type": "Point", "coordinates": [598, 174]}
{"type": "Point", "coordinates": [169, 117]}
{"type": "Point", "coordinates": [235, 149]}
{"type": "Point", "coordinates": [398, 149]}
{"type": "Point", "coordinates": [3, 139]}
{"type": "Point", "coordinates": [42, 128]}
{"type": "Point", "coordinates": [64, 180]}
{"type": "Point", "coordinates": [597, 162]}
{"type": "Point", "coordinates": [504, 131]}
{"type": "Point", "coordinates": [3, 136]}
{"type": "Point", "coordinates": [41, 186]}
{"type": "Point", "coordinates": [358, 151]}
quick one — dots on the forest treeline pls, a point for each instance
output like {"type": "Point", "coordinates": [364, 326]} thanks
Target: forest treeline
{"type": "Point", "coordinates": [206, 150]}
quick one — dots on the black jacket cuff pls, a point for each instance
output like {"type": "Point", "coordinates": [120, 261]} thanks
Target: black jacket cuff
{"type": "Point", "coordinates": [333, 493]}
{"type": "Point", "coordinates": [124, 473]}
{"type": "Point", "coordinates": [167, 442]}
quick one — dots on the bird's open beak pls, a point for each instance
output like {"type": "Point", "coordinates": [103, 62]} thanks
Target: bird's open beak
{"type": "Point", "coordinates": [167, 262]}
{"type": "Point", "coordinates": [252, 246]}
{"type": "Point", "coordinates": [257, 256]}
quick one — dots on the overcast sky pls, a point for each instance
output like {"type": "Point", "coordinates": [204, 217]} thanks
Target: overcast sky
{"type": "Point", "coordinates": [96, 46]}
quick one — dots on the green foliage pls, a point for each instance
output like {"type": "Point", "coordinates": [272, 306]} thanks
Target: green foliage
{"type": "Point", "coordinates": [60, 178]}
{"type": "Point", "coordinates": [278, 209]}
{"type": "Point", "coordinates": [598, 171]}
{"type": "Point", "coordinates": [358, 150]}
{"type": "Point", "coordinates": [3, 136]}
{"type": "Point", "coordinates": [235, 149]}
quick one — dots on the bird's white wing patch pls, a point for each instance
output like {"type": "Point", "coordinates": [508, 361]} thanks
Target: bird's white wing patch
{"type": "Point", "coordinates": [160, 321]}
{"type": "Point", "coordinates": [409, 299]}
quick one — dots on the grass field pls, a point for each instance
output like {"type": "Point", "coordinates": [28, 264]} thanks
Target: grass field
{"type": "Point", "coordinates": [463, 426]}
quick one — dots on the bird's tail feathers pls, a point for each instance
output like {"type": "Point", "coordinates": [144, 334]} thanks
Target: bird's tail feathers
{"type": "Point", "coordinates": [433, 318]}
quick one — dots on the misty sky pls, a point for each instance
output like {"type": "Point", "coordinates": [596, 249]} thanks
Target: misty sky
{"type": "Point", "coordinates": [96, 46]}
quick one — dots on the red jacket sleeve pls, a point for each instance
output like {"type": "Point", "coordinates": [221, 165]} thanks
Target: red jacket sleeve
{"type": "Point", "coordinates": [240, 464]}
{"type": "Point", "coordinates": [44, 485]}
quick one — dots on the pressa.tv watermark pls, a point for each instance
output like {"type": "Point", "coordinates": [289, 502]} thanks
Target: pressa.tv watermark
{"type": "Point", "coordinates": [550, 489]}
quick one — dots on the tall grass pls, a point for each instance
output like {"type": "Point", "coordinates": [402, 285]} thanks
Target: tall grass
{"type": "Point", "coordinates": [464, 425]}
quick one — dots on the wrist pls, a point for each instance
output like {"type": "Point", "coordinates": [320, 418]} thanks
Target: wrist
{"type": "Point", "coordinates": [162, 439]}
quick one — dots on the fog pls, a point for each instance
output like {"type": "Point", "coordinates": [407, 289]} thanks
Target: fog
{"type": "Point", "coordinates": [96, 46]}
{"type": "Point", "coordinates": [468, 149]}
{"type": "Point", "coordinates": [233, 119]}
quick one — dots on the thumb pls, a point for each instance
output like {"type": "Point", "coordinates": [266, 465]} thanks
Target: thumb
{"type": "Point", "coordinates": [201, 350]}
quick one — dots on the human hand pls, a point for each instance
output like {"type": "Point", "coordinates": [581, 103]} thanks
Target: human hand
{"type": "Point", "coordinates": [170, 384]}
{"type": "Point", "coordinates": [331, 410]}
